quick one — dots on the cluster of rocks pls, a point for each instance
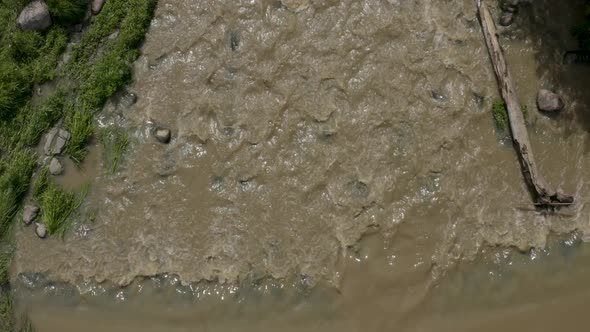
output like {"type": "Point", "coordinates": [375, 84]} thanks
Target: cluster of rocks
{"type": "Point", "coordinates": [36, 16]}
{"type": "Point", "coordinates": [55, 144]}
{"type": "Point", "coordinates": [30, 214]}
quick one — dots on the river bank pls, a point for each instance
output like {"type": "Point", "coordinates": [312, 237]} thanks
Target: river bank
{"type": "Point", "coordinates": [42, 88]}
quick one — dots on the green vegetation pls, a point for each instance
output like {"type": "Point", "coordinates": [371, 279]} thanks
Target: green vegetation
{"type": "Point", "coordinates": [67, 11]}
{"type": "Point", "coordinates": [57, 205]}
{"type": "Point", "coordinates": [6, 316]}
{"type": "Point", "coordinates": [115, 142]}
{"type": "Point", "coordinates": [5, 259]}
{"type": "Point", "coordinates": [99, 66]}
{"type": "Point", "coordinates": [500, 114]}
{"type": "Point", "coordinates": [81, 126]}
{"type": "Point", "coordinates": [15, 175]}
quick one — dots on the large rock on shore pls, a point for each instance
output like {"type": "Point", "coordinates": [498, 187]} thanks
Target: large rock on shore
{"type": "Point", "coordinates": [548, 101]}
{"type": "Point", "coordinates": [97, 6]}
{"type": "Point", "coordinates": [35, 17]}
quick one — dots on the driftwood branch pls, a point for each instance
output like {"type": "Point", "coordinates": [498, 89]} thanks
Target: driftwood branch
{"type": "Point", "coordinates": [543, 194]}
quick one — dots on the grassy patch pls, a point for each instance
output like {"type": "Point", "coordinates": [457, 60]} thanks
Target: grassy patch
{"type": "Point", "coordinates": [67, 11]}
{"type": "Point", "coordinates": [80, 124]}
{"type": "Point", "coordinates": [57, 205]}
{"type": "Point", "coordinates": [6, 316]}
{"type": "Point", "coordinates": [5, 260]}
{"type": "Point", "coordinates": [115, 142]}
{"type": "Point", "coordinates": [500, 114]}
{"type": "Point", "coordinates": [17, 168]}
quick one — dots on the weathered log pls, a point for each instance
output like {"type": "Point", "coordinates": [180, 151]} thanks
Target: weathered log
{"type": "Point", "coordinates": [543, 194]}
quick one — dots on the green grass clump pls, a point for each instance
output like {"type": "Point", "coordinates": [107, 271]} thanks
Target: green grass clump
{"type": "Point", "coordinates": [81, 126]}
{"type": "Point", "coordinates": [500, 114]}
{"type": "Point", "coordinates": [14, 183]}
{"type": "Point", "coordinates": [57, 205]}
{"type": "Point", "coordinates": [44, 67]}
{"type": "Point", "coordinates": [67, 11]}
{"type": "Point", "coordinates": [6, 316]}
{"type": "Point", "coordinates": [5, 260]}
{"type": "Point", "coordinates": [105, 76]}
{"type": "Point", "coordinates": [115, 142]}
{"type": "Point", "coordinates": [14, 88]}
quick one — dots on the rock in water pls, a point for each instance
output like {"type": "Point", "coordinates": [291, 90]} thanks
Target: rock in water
{"type": "Point", "coordinates": [97, 6]}
{"type": "Point", "coordinates": [40, 230]}
{"type": "Point", "coordinates": [34, 17]}
{"type": "Point", "coordinates": [506, 19]}
{"type": "Point", "coordinates": [510, 6]}
{"type": "Point", "coordinates": [55, 167]}
{"type": "Point", "coordinates": [162, 135]}
{"type": "Point", "coordinates": [548, 101]}
{"type": "Point", "coordinates": [296, 5]}
{"type": "Point", "coordinates": [30, 212]}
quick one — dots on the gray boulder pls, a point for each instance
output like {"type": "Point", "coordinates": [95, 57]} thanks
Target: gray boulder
{"type": "Point", "coordinates": [55, 167]}
{"type": "Point", "coordinates": [30, 212]}
{"type": "Point", "coordinates": [55, 141]}
{"type": "Point", "coordinates": [34, 17]}
{"type": "Point", "coordinates": [548, 101]}
{"type": "Point", "coordinates": [97, 6]}
{"type": "Point", "coordinates": [162, 135]}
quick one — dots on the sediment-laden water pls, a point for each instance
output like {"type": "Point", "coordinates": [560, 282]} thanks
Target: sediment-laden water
{"type": "Point", "coordinates": [300, 127]}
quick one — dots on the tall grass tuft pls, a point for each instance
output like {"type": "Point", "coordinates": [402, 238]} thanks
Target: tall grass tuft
{"type": "Point", "coordinates": [115, 141]}
{"type": "Point", "coordinates": [14, 183]}
{"type": "Point", "coordinates": [80, 124]}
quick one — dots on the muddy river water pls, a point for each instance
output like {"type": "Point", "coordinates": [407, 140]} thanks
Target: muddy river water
{"type": "Point", "coordinates": [334, 166]}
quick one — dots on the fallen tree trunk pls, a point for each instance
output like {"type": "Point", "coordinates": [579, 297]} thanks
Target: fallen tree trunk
{"type": "Point", "coordinates": [544, 195]}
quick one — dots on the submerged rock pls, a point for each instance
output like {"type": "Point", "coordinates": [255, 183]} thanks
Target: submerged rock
{"type": "Point", "coordinates": [510, 6]}
{"type": "Point", "coordinates": [128, 99]}
{"type": "Point", "coordinates": [40, 230]}
{"type": "Point", "coordinates": [97, 6]}
{"type": "Point", "coordinates": [34, 17]}
{"type": "Point", "coordinates": [506, 19]}
{"type": "Point", "coordinates": [55, 167]}
{"type": "Point", "coordinates": [30, 212]}
{"type": "Point", "coordinates": [162, 135]}
{"type": "Point", "coordinates": [548, 101]}
{"type": "Point", "coordinates": [296, 5]}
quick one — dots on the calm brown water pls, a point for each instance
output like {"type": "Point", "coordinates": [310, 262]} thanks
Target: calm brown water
{"type": "Point", "coordinates": [298, 130]}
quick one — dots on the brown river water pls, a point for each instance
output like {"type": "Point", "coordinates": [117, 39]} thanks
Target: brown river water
{"type": "Point", "coordinates": [334, 166]}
